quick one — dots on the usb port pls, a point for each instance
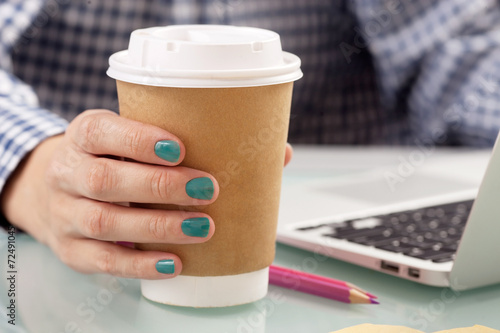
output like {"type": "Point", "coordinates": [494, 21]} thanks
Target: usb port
{"type": "Point", "coordinates": [389, 267]}
{"type": "Point", "coordinates": [414, 273]}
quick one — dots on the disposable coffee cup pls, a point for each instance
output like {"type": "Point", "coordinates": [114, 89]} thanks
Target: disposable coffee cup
{"type": "Point", "coordinates": [225, 91]}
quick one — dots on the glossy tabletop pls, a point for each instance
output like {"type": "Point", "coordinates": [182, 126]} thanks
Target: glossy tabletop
{"type": "Point", "coordinates": [52, 298]}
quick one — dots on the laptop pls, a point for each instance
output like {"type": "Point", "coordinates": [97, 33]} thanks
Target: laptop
{"type": "Point", "coordinates": [426, 214]}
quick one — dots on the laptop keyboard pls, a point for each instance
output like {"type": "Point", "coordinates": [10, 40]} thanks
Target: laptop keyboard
{"type": "Point", "coordinates": [430, 233]}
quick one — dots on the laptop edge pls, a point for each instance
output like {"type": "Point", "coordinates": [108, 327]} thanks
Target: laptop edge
{"type": "Point", "coordinates": [478, 257]}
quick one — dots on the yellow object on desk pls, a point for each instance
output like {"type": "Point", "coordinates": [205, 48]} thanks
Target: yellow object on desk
{"type": "Point", "coordinates": [370, 328]}
{"type": "Point", "coordinates": [473, 329]}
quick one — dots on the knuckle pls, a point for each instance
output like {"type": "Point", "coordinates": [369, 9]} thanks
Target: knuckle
{"type": "Point", "coordinates": [60, 226]}
{"type": "Point", "coordinates": [89, 130]}
{"type": "Point", "coordinates": [161, 184]}
{"type": "Point", "coordinates": [96, 223]}
{"type": "Point", "coordinates": [106, 262]}
{"type": "Point", "coordinates": [158, 228]}
{"type": "Point", "coordinates": [137, 268]}
{"type": "Point", "coordinates": [133, 141]}
{"type": "Point", "coordinates": [53, 173]}
{"type": "Point", "coordinates": [63, 253]}
{"type": "Point", "coordinates": [98, 179]}
{"type": "Point", "coordinates": [67, 256]}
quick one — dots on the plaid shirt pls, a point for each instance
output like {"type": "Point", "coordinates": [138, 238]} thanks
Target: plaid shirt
{"type": "Point", "coordinates": [375, 71]}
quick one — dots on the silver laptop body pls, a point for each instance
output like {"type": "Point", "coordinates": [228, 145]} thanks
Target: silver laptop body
{"type": "Point", "coordinates": [329, 186]}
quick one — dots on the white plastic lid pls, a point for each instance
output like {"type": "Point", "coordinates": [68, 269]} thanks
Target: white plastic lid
{"type": "Point", "coordinates": [204, 56]}
{"type": "Point", "coordinates": [208, 291]}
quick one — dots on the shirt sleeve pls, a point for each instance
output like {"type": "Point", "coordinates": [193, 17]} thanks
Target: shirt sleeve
{"type": "Point", "coordinates": [23, 123]}
{"type": "Point", "coordinates": [437, 63]}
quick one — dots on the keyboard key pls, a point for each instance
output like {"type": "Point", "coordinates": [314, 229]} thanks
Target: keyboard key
{"type": "Point", "coordinates": [403, 217]}
{"type": "Point", "coordinates": [416, 252]}
{"type": "Point", "coordinates": [398, 248]}
{"type": "Point", "coordinates": [375, 240]}
{"type": "Point", "coordinates": [410, 228]}
{"type": "Point", "coordinates": [416, 243]}
{"type": "Point", "coordinates": [354, 233]}
{"type": "Point", "coordinates": [462, 209]}
{"type": "Point", "coordinates": [437, 246]}
{"type": "Point", "coordinates": [417, 216]}
{"type": "Point", "coordinates": [450, 247]}
{"type": "Point", "coordinates": [443, 259]}
{"type": "Point", "coordinates": [433, 224]}
{"type": "Point", "coordinates": [430, 212]}
{"type": "Point", "coordinates": [311, 227]}
{"type": "Point", "coordinates": [366, 223]}
{"type": "Point", "coordinates": [428, 235]}
{"type": "Point", "coordinates": [440, 212]}
{"type": "Point", "coordinates": [428, 253]}
{"type": "Point", "coordinates": [457, 220]}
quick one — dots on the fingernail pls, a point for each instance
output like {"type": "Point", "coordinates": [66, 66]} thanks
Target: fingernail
{"type": "Point", "coordinates": [200, 188]}
{"type": "Point", "coordinates": [166, 266]}
{"type": "Point", "coordinates": [168, 150]}
{"type": "Point", "coordinates": [196, 227]}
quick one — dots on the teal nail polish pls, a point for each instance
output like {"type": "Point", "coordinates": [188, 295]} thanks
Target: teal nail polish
{"type": "Point", "coordinates": [196, 227]}
{"type": "Point", "coordinates": [165, 266]}
{"type": "Point", "coordinates": [168, 150]}
{"type": "Point", "coordinates": [200, 188]}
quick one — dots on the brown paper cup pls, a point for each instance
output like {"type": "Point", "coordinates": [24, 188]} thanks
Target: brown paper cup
{"type": "Point", "coordinates": [226, 93]}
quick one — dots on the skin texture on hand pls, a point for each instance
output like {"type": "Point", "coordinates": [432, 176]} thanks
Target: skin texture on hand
{"type": "Point", "coordinates": [67, 195]}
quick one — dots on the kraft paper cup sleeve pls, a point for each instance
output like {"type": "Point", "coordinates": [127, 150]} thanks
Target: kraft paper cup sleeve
{"type": "Point", "coordinates": [239, 136]}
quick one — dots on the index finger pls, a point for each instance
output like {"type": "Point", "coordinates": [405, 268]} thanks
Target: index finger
{"type": "Point", "coordinates": [103, 132]}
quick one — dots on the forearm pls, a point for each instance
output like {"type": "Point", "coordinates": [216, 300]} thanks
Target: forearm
{"type": "Point", "coordinates": [22, 128]}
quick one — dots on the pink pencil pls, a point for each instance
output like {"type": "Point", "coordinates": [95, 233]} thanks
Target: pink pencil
{"type": "Point", "coordinates": [289, 271]}
{"type": "Point", "coordinates": [318, 285]}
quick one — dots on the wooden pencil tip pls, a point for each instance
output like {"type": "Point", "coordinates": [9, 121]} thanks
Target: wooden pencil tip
{"type": "Point", "coordinates": [370, 295]}
{"type": "Point", "coordinates": [374, 301]}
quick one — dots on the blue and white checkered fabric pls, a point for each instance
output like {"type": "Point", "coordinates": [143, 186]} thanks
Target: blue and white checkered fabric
{"type": "Point", "coordinates": [23, 123]}
{"type": "Point", "coordinates": [375, 71]}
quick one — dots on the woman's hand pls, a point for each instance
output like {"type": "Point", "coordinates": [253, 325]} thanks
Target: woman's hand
{"type": "Point", "coordinates": [64, 195]}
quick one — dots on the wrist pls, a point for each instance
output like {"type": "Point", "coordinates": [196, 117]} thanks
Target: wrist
{"type": "Point", "coordinates": [26, 188]}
